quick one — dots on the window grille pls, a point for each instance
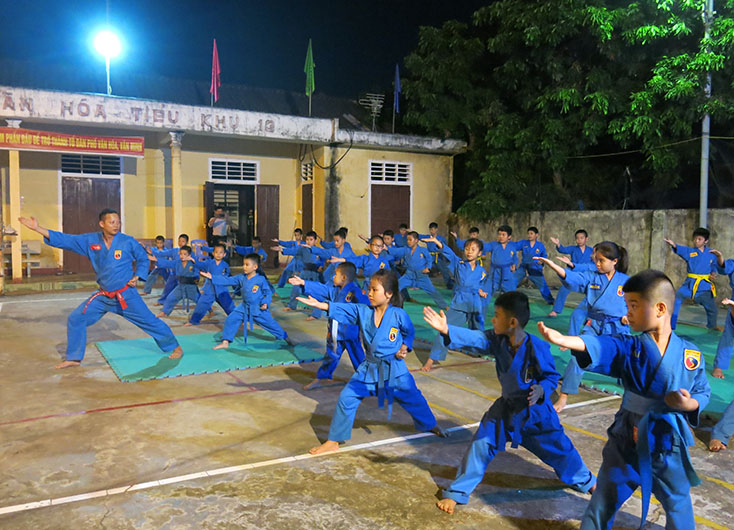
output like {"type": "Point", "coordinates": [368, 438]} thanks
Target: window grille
{"type": "Point", "coordinates": [307, 172]}
{"type": "Point", "coordinates": [234, 171]}
{"type": "Point", "coordinates": [391, 172]}
{"type": "Point", "coordinates": [90, 164]}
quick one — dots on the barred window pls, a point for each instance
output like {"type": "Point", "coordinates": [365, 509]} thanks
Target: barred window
{"type": "Point", "coordinates": [91, 165]}
{"type": "Point", "coordinates": [307, 172]}
{"type": "Point", "coordinates": [234, 171]}
{"type": "Point", "coordinates": [386, 172]}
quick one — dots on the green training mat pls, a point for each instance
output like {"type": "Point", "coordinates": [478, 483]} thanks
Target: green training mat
{"type": "Point", "coordinates": [141, 360]}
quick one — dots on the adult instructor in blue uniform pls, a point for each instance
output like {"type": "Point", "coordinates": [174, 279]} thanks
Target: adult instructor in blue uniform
{"type": "Point", "coordinates": [119, 262]}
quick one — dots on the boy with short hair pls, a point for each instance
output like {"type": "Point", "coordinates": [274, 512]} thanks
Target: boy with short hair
{"type": "Point", "coordinates": [531, 248]}
{"type": "Point", "coordinates": [580, 255]}
{"type": "Point", "coordinates": [524, 414]}
{"type": "Point", "coordinates": [473, 234]}
{"type": "Point", "coordinates": [418, 265]}
{"type": "Point", "coordinates": [256, 298]}
{"type": "Point", "coordinates": [294, 266]}
{"type": "Point", "coordinates": [440, 261]}
{"type": "Point", "coordinates": [216, 266]}
{"type": "Point", "coordinates": [665, 390]}
{"type": "Point", "coordinates": [157, 272]}
{"type": "Point", "coordinates": [337, 249]}
{"type": "Point", "coordinates": [700, 263]}
{"type": "Point", "coordinates": [186, 277]}
{"type": "Point", "coordinates": [503, 260]}
{"type": "Point", "coordinates": [401, 237]}
{"type": "Point", "coordinates": [310, 267]}
{"type": "Point", "coordinates": [170, 253]}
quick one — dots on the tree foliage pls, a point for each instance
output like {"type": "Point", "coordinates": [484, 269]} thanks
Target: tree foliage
{"type": "Point", "coordinates": [539, 89]}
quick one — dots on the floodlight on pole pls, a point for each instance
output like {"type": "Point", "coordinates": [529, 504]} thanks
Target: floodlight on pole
{"type": "Point", "coordinates": [108, 46]}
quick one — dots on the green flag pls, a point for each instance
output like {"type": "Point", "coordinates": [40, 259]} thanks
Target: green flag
{"type": "Point", "coordinates": [308, 69]}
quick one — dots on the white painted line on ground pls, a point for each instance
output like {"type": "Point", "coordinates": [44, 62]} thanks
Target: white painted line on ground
{"type": "Point", "coordinates": [591, 402]}
{"type": "Point", "coordinates": [233, 469]}
{"type": "Point", "coordinates": [44, 300]}
{"type": "Point", "coordinates": [1, 308]}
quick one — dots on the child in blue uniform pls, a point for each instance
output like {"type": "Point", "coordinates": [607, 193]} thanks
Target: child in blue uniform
{"type": "Point", "coordinates": [170, 253]}
{"type": "Point", "coordinates": [256, 298]}
{"type": "Point", "coordinates": [700, 263]}
{"type": "Point", "coordinates": [523, 415]}
{"type": "Point", "coordinates": [665, 389]}
{"type": "Point", "coordinates": [388, 332]}
{"type": "Point", "coordinates": [440, 261]}
{"type": "Point", "coordinates": [418, 265]}
{"type": "Point", "coordinates": [401, 238]}
{"type": "Point", "coordinates": [309, 264]}
{"type": "Point", "coordinates": [256, 248]}
{"type": "Point", "coordinates": [473, 234]}
{"type": "Point", "coordinates": [112, 255]}
{"type": "Point", "coordinates": [293, 265]}
{"type": "Point", "coordinates": [377, 259]}
{"type": "Point", "coordinates": [530, 268]}
{"type": "Point", "coordinates": [467, 305]}
{"type": "Point", "coordinates": [343, 231]}
{"type": "Point", "coordinates": [157, 272]}
{"type": "Point", "coordinates": [337, 249]}
{"type": "Point", "coordinates": [604, 302]}
{"type": "Point", "coordinates": [726, 341]}
{"type": "Point", "coordinates": [186, 277]}
{"type": "Point", "coordinates": [340, 336]}
{"type": "Point", "coordinates": [724, 429]}
{"type": "Point", "coordinates": [216, 266]}
{"type": "Point", "coordinates": [580, 254]}
{"type": "Point", "coordinates": [503, 261]}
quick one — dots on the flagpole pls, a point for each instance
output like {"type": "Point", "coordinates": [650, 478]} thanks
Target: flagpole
{"type": "Point", "coordinates": [393, 119]}
{"type": "Point", "coordinates": [309, 105]}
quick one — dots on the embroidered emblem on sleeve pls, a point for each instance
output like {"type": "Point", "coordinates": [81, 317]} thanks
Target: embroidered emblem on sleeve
{"type": "Point", "coordinates": [393, 334]}
{"type": "Point", "coordinates": [692, 359]}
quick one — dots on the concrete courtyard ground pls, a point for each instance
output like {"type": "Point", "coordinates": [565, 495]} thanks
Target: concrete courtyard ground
{"type": "Point", "coordinates": [228, 450]}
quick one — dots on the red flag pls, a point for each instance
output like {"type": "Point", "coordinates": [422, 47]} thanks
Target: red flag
{"type": "Point", "coordinates": [216, 71]}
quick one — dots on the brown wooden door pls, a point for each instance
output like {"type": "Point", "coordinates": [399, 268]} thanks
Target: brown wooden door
{"type": "Point", "coordinates": [82, 200]}
{"type": "Point", "coordinates": [268, 216]}
{"type": "Point", "coordinates": [306, 208]}
{"type": "Point", "coordinates": [390, 207]}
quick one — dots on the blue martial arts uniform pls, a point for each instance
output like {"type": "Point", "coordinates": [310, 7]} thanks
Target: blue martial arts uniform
{"type": "Point", "coordinates": [724, 429]}
{"type": "Point", "coordinates": [186, 276]}
{"type": "Point", "coordinates": [648, 442]}
{"type": "Point", "coordinates": [255, 293]}
{"type": "Point", "coordinates": [210, 293]}
{"type": "Point", "coordinates": [439, 261]}
{"type": "Point", "coordinates": [329, 245]}
{"type": "Point", "coordinates": [114, 268]}
{"type": "Point", "coordinates": [244, 251]}
{"type": "Point", "coordinates": [400, 240]}
{"type": "Point", "coordinates": [340, 336]}
{"type": "Point", "coordinates": [309, 271]}
{"type": "Point", "coordinates": [698, 286]}
{"type": "Point", "coordinates": [726, 341]}
{"type": "Point", "coordinates": [153, 276]}
{"type": "Point", "coordinates": [327, 253]}
{"type": "Point", "coordinates": [500, 269]}
{"type": "Point", "coordinates": [605, 307]}
{"type": "Point", "coordinates": [578, 257]}
{"type": "Point", "coordinates": [533, 269]}
{"type": "Point", "coordinates": [381, 374]}
{"type": "Point", "coordinates": [294, 266]}
{"type": "Point", "coordinates": [467, 307]}
{"type": "Point", "coordinates": [370, 264]}
{"type": "Point", "coordinates": [415, 262]}
{"type": "Point", "coordinates": [511, 419]}
{"type": "Point", "coordinates": [171, 281]}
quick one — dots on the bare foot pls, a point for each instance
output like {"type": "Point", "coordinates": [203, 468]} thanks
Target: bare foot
{"type": "Point", "coordinates": [438, 431]}
{"type": "Point", "coordinates": [157, 304]}
{"type": "Point", "coordinates": [287, 309]}
{"type": "Point", "coordinates": [561, 403]}
{"type": "Point", "coordinates": [427, 367]}
{"type": "Point", "coordinates": [177, 353]}
{"type": "Point", "coordinates": [211, 313]}
{"type": "Point", "coordinates": [552, 314]}
{"type": "Point", "coordinates": [592, 489]}
{"type": "Point", "coordinates": [223, 346]}
{"type": "Point", "coordinates": [68, 364]}
{"type": "Point", "coordinates": [716, 445]}
{"type": "Point", "coordinates": [326, 447]}
{"type": "Point", "coordinates": [718, 373]}
{"type": "Point", "coordinates": [313, 385]}
{"type": "Point", "coordinates": [447, 505]}
{"type": "Point", "coordinates": [188, 324]}
{"type": "Point", "coordinates": [309, 319]}
{"type": "Point", "coordinates": [161, 314]}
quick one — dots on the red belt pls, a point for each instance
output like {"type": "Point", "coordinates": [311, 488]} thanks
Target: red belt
{"type": "Point", "coordinates": [109, 294]}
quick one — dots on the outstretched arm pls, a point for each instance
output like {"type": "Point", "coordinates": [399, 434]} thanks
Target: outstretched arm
{"type": "Point", "coordinates": [560, 271]}
{"type": "Point", "coordinates": [557, 338]}
{"type": "Point", "coordinates": [311, 301]}
{"type": "Point", "coordinates": [32, 223]}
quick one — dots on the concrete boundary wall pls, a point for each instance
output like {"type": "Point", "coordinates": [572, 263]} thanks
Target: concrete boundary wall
{"type": "Point", "coordinates": [641, 232]}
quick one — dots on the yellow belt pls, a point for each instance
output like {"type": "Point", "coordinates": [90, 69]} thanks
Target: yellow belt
{"type": "Point", "coordinates": [698, 278]}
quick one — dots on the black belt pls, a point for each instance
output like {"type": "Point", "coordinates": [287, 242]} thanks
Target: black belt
{"type": "Point", "coordinates": [187, 280]}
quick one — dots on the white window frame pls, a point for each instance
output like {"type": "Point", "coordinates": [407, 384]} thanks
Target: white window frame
{"type": "Point", "coordinates": [407, 182]}
{"type": "Point", "coordinates": [254, 182]}
{"type": "Point", "coordinates": [370, 182]}
{"type": "Point", "coordinates": [307, 171]}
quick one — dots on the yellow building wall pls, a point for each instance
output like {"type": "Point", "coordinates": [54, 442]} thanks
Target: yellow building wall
{"type": "Point", "coordinates": [430, 196]}
{"type": "Point", "coordinates": [149, 192]}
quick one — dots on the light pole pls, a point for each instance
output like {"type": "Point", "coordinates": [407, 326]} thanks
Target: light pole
{"type": "Point", "coordinates": [708, 17]}
{"type": "Point", "coordinates": [108, 46]}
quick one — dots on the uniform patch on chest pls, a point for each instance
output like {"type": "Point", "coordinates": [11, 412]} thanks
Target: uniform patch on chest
{"type": "Point", "coordinates": [382, 265]}
{"type": "Point", "coordinates": [693, 254]}
{"type": "Point", "coordinates": [692, 359]}
{"type": "Point", "coordinates": [393, 334]}
{"type": "Point", "coordinates": [349, 297]}
{"type": "Point", "coordinates": [255, 288]}
{"type": "Point", "coordinates": [118, 254]}
{"type": "Point", "coordinates": [620, 291]}
{"type": "Point", "coordinates": [95, 247]}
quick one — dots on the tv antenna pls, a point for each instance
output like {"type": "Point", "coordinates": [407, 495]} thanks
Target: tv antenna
{"type": "Point", "coordinates": [374, 103]}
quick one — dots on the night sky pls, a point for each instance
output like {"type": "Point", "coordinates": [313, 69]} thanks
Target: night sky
{"type": "Point", "coordinates": [261, 43]}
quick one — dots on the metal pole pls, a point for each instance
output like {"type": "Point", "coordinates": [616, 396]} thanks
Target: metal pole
{"type": "Point", "coordinates": [708, 16]}
{"type": "Point", "coordinates": [109, 87]}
